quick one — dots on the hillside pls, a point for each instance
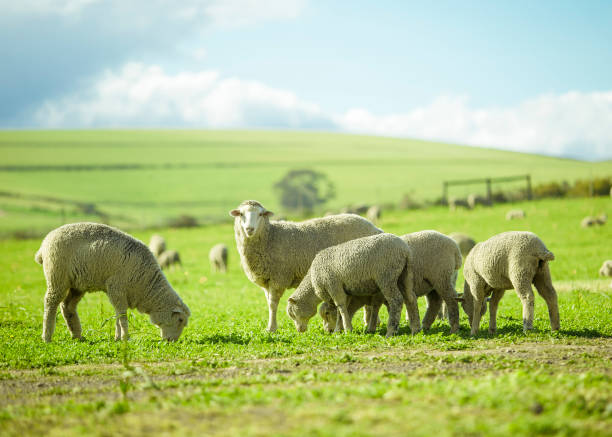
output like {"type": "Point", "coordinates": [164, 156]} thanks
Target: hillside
{"type": "Point", "coordinates": [144, 178]}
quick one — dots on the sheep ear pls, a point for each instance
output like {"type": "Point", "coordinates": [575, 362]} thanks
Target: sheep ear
{"type": "Point", "coordinates": [234, 212]}
{"type": "Point", "coordinates": [292, 300]}
{"type": "Point", "coordinates": [268, 213]}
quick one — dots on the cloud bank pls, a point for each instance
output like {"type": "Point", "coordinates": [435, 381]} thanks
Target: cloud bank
{"type": "Point", "coordinates": [573, 124]}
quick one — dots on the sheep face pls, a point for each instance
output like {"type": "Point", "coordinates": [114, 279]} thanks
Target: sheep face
{"type": "Point", "coordinates": [299, 315]}
{"type": "Point", "coordinates": [252, 218]}
{"type": "Point", "coordinates": [329, 314]}
{"type": "Point", "coordinates": [170, 323]}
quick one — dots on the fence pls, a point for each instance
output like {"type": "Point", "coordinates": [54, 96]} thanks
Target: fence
{"type": "Point", "coordinates": [488, 182]}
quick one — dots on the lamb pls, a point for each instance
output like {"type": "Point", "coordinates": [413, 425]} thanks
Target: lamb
{"type": "Point", "coordinates": [157, 244]}
{"type": "Point", "coordinates": [85, 257]}
{"type": "Point", "coordinates": [455, 202]}
{"type": "Point", "coordinates": [169, 258]}
{"type": "Point", "coordinates": [218, 258]}
{"type": "Point", "coordinates": [508, 260]}
{"type": "Point", "coordinates": [373, 213]}
{"type": "Point", "coordinates": [514, 214]}
{"type": "Point", "coordinates": [435, 266]}
{"type": "Point", "coordinates": [363, 267]}
{"type": "Point", "coordinates": [589, 221]}
{"type": "Point", "coordinates": [606, 268]}
{"type": "Point", "coordinates": [465, 242]}
{"type": "Point", "coordinates": [277, 255]}
{"type": "Point", "coordinates": [476, 199]}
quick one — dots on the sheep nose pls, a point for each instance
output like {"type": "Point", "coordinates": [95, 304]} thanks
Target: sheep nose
{"type": "Point", "coordinates": [249, 229]}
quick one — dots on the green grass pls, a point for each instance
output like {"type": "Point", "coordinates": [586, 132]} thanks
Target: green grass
{"type": "Point", "coordinates": [142, 178]}
{"type": "Point", "coordinates": [226, 376]}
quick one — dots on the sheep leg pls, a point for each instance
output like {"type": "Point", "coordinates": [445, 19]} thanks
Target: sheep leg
{"type": "Point", "coordinates": [119, 302]}
{"type": "Point", "coordinates": [273, 295]}
{"type": "Point", "coordinates": [543, 283]}
{"type": "Point", "coordinates": [434, 302]}
{"type": "Point", "coordinates": [373, 319]}
{"type": "Point", "coordinates": [69, 311]}
{"type": "Point", "coordinates": [53, 298]}
{"type": "Point", "coordinates": [525, 294]}
{"type": "Point", "coordinates": [477, 290]}
{"type": "Point", "coordinates": [393, 295]}
{"type": "Point", "coordinates": [495, 298]}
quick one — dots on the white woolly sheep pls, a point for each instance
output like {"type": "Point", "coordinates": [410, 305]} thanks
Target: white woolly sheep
{"type": "Point", "coordinates": [508, 260]}
{"type": "Point", "coordinates": [514, 214]}
{"type": "Point", "coordinates": [464, 241]}
{"type": "Point", "coordinates": [435, 266]}
{"type": "Point", "coordinates": [157, 244]}
{"type": "Point", "coordinates": [589, 221]}
{"type": "Point", "coordinates": [277, 255]}
{"type": "Point", "coordinates": [218, 258]}
{"type": "Point", "coordinates": [364, 266]}
{"type": "Point", "coordinates": [477, 199]}
{"type": "Point", "coordinates": [606, 268]}
{"type": "Point", "coordinates": [85, 257]}
{"type": "Point", "coordinates": [169, 258]}
{"type": "Point", "coordinates": [373, 213]}
{"type": "Point", "coordinates": [454, 203]}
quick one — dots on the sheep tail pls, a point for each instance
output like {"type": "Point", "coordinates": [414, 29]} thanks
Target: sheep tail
{"type": "Point", "coordinates": [546, 255]}
{"type": "Point", "coordinates": [458, 260]}
{"type": "Point", "coordinates": [38, 257]}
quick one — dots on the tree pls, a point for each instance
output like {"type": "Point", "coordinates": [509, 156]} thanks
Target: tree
{"type": "Point", "coordinates": [304, 189]}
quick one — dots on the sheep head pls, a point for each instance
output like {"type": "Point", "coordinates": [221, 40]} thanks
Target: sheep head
{"type": "Point", "coordinates": [171, 322]}
{"type": "Point", "coordinates": [252, 216]}
{"type": "Point", "coordinates": [329, 314]}
{"type": "Point", "coordinates": [299, 315]}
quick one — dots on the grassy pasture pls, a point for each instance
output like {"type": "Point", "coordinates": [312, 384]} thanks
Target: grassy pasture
{"type": "Point", "coordinates": [142, 178]}
{"type": "Point", "coordinates": [226, 376]}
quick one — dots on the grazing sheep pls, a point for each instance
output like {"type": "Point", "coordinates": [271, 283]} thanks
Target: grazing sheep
{"type": "Point", "coordinates": [435, 265]}
{"type": "Point", "coordinates": [606, 268]}
{"type": "Point", "coordinates": [477, 199]}
{"type": "Point", "coordinates": [362, 267]}
{"type": "Point", "coordinates": [84, 257]}
{"type": "Point", "coordinates": [277, 255]}
{"type": "Point", "coordinates": [218, 258]}
{"type": "Point", "coordinates": [373, 213]}
{"type": "Point", "coordinates": [169, 258]}
{"type": "Point", "coordinates": [514, 214]}
{"type": "Point", "coordinates": [454, 203]}
{"type": "Point", "coordinates": [589, 221]}
{"type": "Point", "coordinates": [464, 241]}
{"type": "Point", "coordinates": [508, 260]}
{"type": "Point", "coordinates": [157, 244]}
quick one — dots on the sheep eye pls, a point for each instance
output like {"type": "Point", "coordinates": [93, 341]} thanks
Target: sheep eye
{"type": "Point", "coordinates": [180, 320]}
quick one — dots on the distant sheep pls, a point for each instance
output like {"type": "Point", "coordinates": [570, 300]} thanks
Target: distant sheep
{"type": "Point", "coordinates": [169, 258]}
{"type": "Point", "coordinates": [589, 221]}
{"type": "Point", "coordinates": [606, 268]}
{"type": "Point", "coordinates": [84, 257]}
{"type": "Point", "coordinates": [508, 260]}
{"type": "Point", "coordinates": [476, 199]}
{"type": "Point", "coordinates": [514, 214]}
{"type": "Point", "coordinates": [218, 258]}
{"type": "Point", "coordinates": [373, 213]}
{"type": "Point", "coordinates": [454, 203]}
{"type": "Point", "coordinates": [157, 244]}
{"type": "Point", "coordinates": [464, 241]}
{"type": "Point", "coordinates": [277, 255]}
{"type": "Point", "coordinates": [361, 267]}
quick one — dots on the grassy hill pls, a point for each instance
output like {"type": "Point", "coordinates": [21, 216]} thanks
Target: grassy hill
{"type": "Point", "coordinates": [143, 178]}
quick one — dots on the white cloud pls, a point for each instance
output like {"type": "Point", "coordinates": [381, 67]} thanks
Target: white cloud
{"type": "Point", "coordinates": [140, 95]}
{"type": "Point", "coordinates": [573, 124]}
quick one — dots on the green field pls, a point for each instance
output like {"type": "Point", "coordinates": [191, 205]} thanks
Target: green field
{"type": "Point", "coordinates": [139, 179]}
{"type": "Point", "coordinates": [226, 376]}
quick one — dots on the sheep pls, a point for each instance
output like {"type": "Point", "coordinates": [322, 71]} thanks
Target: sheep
{"type": "Point", "coordinates": [514, 214]}
{"type": "Point", "coordinates": [606, 268]}
{"type": "Point", "coordinates": [157, 244]}
{"type": "Point", "coordinates": [589, 221]}
{"type": "Point", "coordinates": [508, 260]}
{"type": "Point", "coordinates": [329, 312]}
{"type": "Point", "coordinates": [277, 255]}
{"type": "Point", "coordinates": [435, 266]}
{"type": "Point", "coordinates": [218, 258]}
{"type": "Point", "coordinates": [476, 199]}
{"type": "Point", "coordinates": [454, 203]}
{"type": "Point", "coordinates": [373, 213]}
{"type": "Point", "coordinates": [85, 257]}
{"type": "Point", "coordinates": [363, 267]}
{"type": "Point", "coordinates": [169, 258]}
{"type": "Point", "coordinates": [465, 242]}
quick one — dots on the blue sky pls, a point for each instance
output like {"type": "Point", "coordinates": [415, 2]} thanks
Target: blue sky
{"type": "Point", "coordinates": [532, 76]}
